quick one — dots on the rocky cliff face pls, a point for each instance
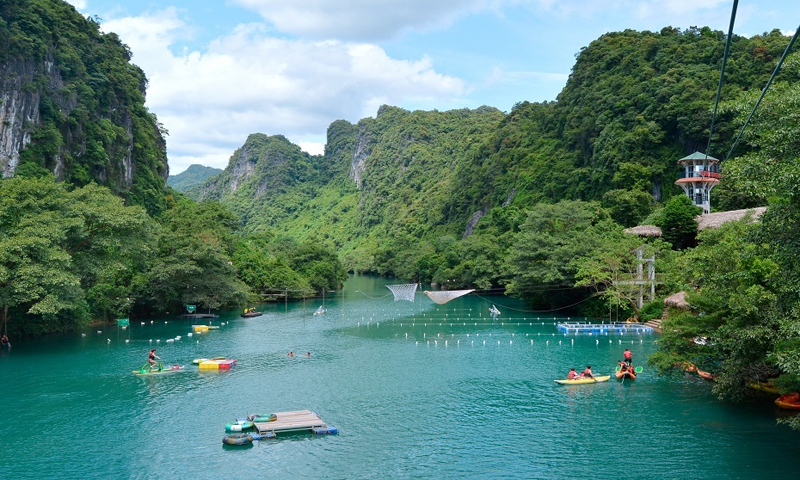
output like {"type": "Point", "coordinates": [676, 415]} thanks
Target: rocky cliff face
{"type": "Point", "coordinates": [23, 83]}
{"type": "Point", "coordinates": [72, 103]}
{"type": "Point", "coordinates": [19, 107]}
{"type": "Point", "coordinates": [360, 155]}
{"type": "Point", "coordinates": [264, 164]}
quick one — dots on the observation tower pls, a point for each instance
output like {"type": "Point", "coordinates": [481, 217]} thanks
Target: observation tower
{"type": "Point", "coordinates": [700, 174]}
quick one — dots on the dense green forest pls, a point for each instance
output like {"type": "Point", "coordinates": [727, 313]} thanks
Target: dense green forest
{"type": "Point", "coordinates": [532, 203]}
{"type": "Point", "coordinates": [441, 196]}
{"type": "Point", "coordinates": [89, 230]}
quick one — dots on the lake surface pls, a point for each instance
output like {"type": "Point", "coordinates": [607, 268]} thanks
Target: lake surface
{"type": "Point", "coordinates": [417, 390]}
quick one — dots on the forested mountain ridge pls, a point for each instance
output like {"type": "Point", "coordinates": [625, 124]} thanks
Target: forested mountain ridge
{"type": "Point", "coordinates": [387, 176]}
{"type": "Point", "coordinates": [191, 177]}
{"type": "Point", "coordinates": [390, 189]}
{"type": "Point", "coordinates": [73, 104]}
{"type": "Point", "coordinates": [635, 102]}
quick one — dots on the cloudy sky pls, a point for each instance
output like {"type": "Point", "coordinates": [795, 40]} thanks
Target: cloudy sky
{"type": "Point", "coordinates": [222, 69]}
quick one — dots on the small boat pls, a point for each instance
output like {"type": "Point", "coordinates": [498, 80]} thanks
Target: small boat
{"type": "Point", "coordinates": [251, 312]}
{"type": "Point", "coordinates": [320, 310]}
{"type": "Point", "coordinates": [706, 375]}
{"type": "Point", "coordinates": [789, 401]}
{"type": "Point", "coordinates": [636, 370]}
{"type": "Point", "coordinates": [145, 370]}
{"type": "Point", "coordinates": [766, 387]}
{"type": "Point", "coordinates": [620, 374]}
{"type": "Point", "coordinates": [583, 380]}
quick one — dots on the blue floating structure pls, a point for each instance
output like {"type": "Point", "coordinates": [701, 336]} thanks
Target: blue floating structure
{"type": "Point", "coordinates": [328, 430]}
{"type": "Point", "coordinates": [603, 328]}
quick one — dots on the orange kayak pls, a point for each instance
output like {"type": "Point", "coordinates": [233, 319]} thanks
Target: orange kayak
{"type": "Point", "coordinates": [790, 401]}
{"type": "Point", "coordinates": [706, 375]}
{"type": "Point", "coordinates": [626, 374]}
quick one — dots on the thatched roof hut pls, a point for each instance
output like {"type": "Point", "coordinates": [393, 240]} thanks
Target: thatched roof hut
{"type": "Point", "coordinates": [644, 231]}
{"type": "Point", "coordinates": [677, 300]}
{"type": "Point", "coordinates": [714, 220]}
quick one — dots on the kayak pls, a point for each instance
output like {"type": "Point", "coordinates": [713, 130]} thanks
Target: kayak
{"type": "Point", "coordinates": [636, 370]}
{"type": "Point", "coordinates": [767, 387]}
{"type": "Point", "coordinates": [790, 401]}
{"type": "Point", "coordinates": [706, 375]}
{"type": "Point", "coordinates": [159, 371]}
{"type": "Point", "coordinates": [583, 381]}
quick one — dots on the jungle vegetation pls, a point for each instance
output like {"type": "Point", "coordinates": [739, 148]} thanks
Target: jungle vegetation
{"type": "Point", "coordinates": [533, 202]}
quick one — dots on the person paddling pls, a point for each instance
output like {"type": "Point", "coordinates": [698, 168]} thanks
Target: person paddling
{"type": "Point", "coordinates": [588, 372]}
{"type": "Point", "coordinates": [572, 374]}
{"type": "Point", "coordinates": [628, 356]}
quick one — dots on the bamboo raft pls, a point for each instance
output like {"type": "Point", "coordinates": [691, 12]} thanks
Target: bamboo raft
{"type": "Point", "coordinates": [297, 421]}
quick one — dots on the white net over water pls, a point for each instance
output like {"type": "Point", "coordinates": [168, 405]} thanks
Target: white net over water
{"type": "Point", "coordinates": [443, 297]}
{"type": "Point", "coordinates": [404, 291]}
{"type": "Point", "coordinates": [494, 311]}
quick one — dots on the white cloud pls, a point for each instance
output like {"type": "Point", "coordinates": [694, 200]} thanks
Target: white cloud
{"type": "Point", "coordinates": [362, 20]}
{"type": "Point", "coordinates": [248, 82]}
{"type": "Point", "coordinates": [314, 148]}
{"type": "Point", "coordinates": [78, 4]}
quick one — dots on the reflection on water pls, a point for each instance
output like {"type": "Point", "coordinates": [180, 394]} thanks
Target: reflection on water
{"type": "Point", "coordinates": [417, 390]}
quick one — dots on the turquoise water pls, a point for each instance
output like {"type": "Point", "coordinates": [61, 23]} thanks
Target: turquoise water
{"type": "Point", "coordinates": [417, 390]}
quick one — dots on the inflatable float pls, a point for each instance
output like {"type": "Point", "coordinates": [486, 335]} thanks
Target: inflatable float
{"type": "Point", "coordinates": [237, 440]}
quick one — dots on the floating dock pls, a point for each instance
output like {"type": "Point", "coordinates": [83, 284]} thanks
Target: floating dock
{"type": "Point", "coordinates": [298, 421]}
{"type": "Point", "coordinates": [604, 328]}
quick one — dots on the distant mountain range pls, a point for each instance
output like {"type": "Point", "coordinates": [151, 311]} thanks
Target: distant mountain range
{"type": "Point", "coordinates": [191, 177]}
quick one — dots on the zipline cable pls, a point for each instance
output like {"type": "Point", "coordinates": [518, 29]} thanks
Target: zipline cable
{"type": "Point", "coordinates": [722, 74]}
{"type": "Point", "coordinates": [764, 91]}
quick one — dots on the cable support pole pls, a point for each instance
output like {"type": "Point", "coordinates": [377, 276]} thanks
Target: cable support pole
{"type": "Point", "coordinates": [722, 74]}
{"type": "Point", "coordinates": [764, 91]}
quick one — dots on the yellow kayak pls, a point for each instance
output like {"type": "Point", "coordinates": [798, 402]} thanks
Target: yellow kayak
{"type": "Point", "coordinates": [582, 381]}
{"type": "Point", "coordinates": [767, 387]}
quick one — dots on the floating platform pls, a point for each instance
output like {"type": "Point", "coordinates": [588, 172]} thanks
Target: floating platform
{"type": "Point", "coordinates": [604, 328]}
{"type": "Point", "coordinates": [298, 421]}
{"type": "Point", "coordinates": [215, 365]}
{"type": "Point", "coordinates": [199, 315]}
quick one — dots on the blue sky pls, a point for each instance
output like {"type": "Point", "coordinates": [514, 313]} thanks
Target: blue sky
{"type": "Point", "coordinates": [219, 70]}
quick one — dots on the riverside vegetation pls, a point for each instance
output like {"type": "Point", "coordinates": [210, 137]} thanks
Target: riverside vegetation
{"type": "Point", "coordinates": [532, 202]}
